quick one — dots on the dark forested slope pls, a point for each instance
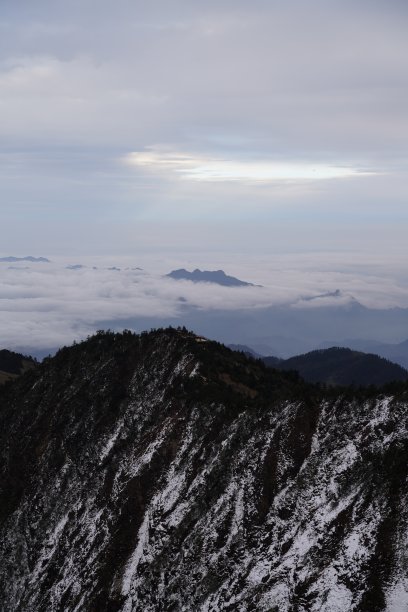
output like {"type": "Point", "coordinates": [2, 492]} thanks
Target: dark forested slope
{"type": "Point", "coordinates": [164, 472]}
{"type": "Point", "coordinates": [342, 366]}
{"type": "Point", "coordinates": [13, 364]}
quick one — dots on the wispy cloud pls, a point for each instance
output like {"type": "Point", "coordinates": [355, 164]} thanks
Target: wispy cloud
{"type": "Point", "coordinates": [201, 168]}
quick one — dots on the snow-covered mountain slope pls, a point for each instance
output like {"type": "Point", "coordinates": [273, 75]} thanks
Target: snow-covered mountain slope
{"type": "Point", "coordinates": [164, 472]}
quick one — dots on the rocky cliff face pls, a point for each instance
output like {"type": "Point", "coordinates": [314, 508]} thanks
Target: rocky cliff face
{"type": "Point", "coordinates": [163, 472]}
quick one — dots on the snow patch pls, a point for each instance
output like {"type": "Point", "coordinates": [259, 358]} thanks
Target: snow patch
{"type": "Point", "coordinates": [337, 598]}
{"type": "Point", "coordinates": [131, 568]}
{"type": "Point", "coordinates": [110, 442]}
{"type": "Point", "coordinates": [397, 598]}
{"type": "Point", "coordinates": [195, 370]}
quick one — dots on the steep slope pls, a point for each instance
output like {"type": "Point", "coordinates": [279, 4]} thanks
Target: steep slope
{"type": "Point", "coordinates": [342, 366]}
{"type": "Point", "coordinates": [164, 472]}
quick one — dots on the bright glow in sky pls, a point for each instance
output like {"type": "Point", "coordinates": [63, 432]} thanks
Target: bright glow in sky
{"type": "Point", "coordinates": [201, 169]}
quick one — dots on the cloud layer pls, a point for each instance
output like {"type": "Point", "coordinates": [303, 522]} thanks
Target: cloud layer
{"type": "Point", "coordinates": [48, 305]}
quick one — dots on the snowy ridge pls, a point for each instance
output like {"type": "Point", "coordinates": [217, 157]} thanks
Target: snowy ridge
{"type": "Point", "coordinates": [157, 486]}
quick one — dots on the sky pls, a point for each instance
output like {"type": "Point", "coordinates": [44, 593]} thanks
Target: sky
{"type": "Point", "coordinates": [255, 136]}
{"type": "Point", "coordinates": [185, 125]}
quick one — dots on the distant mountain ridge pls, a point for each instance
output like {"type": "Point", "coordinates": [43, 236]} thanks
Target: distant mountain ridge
{"type": "Point", "coordinates": [12, 259]}
{"type": "Point", "coordinates": [336, 293]}
{"type": "Point", "coordinates": [398, 353]}
{"type": "Point", "coordinates": [334, 366]}
{"type": "Point", "coordinates": [217, 277]}
{"type": "Point", "coordinates": [282, 330]}
{"type": "Point", "coordinates": [335, 297]}
{"type": "Point", "coordinates": [341, 366]}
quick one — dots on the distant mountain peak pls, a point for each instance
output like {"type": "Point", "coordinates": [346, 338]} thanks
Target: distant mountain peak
{"type": "Point", "coordinates": [336, 293]}
{"type": "Point", "coordinates": [330, 298]}
{"type": "Point", "coordinates": [217, 277]}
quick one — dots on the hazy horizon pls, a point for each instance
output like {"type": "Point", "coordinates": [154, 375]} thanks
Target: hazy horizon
{"type": "Point", "coordinates": [47, 305]}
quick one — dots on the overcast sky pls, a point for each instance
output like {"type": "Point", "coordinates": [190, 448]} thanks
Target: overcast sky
{"type": "Point", "coordinates": [183, 126]}
{"type": "Point", "coordinates": [268, 138]}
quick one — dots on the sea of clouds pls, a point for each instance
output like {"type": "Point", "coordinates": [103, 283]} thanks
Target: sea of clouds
{"type": "Point", "coordinates": [46, 305]}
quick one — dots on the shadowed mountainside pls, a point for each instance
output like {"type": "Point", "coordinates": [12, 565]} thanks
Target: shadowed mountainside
{"type": "Point", "coordinates": [341, 366]}
{"type": "Point", "coordinates": [13, 365]}
{"type": "Point", "coordinates": [397, 353]}
{"type": "Point", "coordinates": [166, 472]}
